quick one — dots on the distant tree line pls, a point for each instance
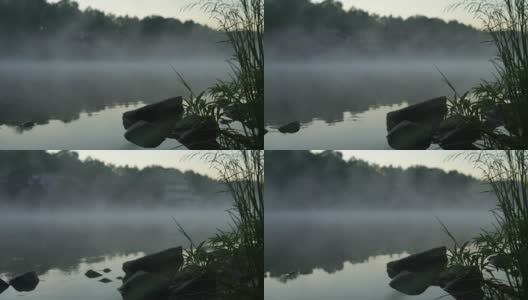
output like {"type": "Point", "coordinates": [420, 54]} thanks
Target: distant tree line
{"type": "Point", "coordinates": [38, 179]}
{"type": "Point", "coordinates": [305, 180]}
{"type": "Point", "coordinates": [301, 28]}
{"type": "Point", "coordinates": [42, 30]}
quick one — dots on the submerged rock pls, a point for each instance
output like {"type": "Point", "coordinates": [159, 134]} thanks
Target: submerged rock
{"type": "Point", "coordinates": [463, 283]}
{"type": "Point", "coordinates": [166, 109]}
{"type": "Point", "coordinates": [414, 283]}
{"type": "Point", "coordinates": [430, 112]}
{"type": "Point", "coordinates": [409, 136]}
{"type": "Point", "coordinates": [105, 280]}
{"type": "Point", "coordinates": [199, 134]}
{"type": "Point", "coordinates": [457, 134]}
{"type": "Point", "coordinates": [203, 285]}
{"type": "Point", "coordinates": [3, 286]}
{"type": "Point", "coordinates": [170, 259]}
{"type": "Point", "coordinates": [292, 127]}
{"type": "Point", "coordinates": [92, 274]}
{"type": "Point", "coordinates": [107, 270]}
{"type": "Point", "coordinates": [26, 282]}
{"type": "Point", "coordinates": [144, 286]}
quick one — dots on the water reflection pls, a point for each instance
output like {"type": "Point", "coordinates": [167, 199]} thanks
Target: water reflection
{"type": "Point", "coordinates": [340, 256]}
{"type": "Point", "coordinates": [323, 93]}
{"type": "Point", "coordinates": [301, 243]}
{"type": "Point", "coordinates": [63, 243]}
{"type": "Point", "coordinates": [51, 93]}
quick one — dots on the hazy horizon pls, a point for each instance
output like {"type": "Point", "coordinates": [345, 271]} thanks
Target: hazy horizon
{"type": "Point", "coordinates": [179, 9]}
{"type": "Point", "coordinates": [406, 8]}
{"type": "Point", "coordinates": [181, 160]}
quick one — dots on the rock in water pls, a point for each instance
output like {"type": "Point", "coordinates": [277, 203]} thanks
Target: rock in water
{"type": "Point", "coordinates": [170, 259]}
{"type": "Point", "coordinates": [92, 274]}
{"type": "Point", "coordinates": [3, 286]}
{"type": "Point", "coordinates": [455, 134]}
{"type": "Point", "coordinates": [292, 127]}
{"type": "Point", "coordinates": [465, 283]}
{"type": "Point", "coordinates": [413, 283]}
{"type": "Point", "coordinates": [198, 286]}
{"type": "Point", "coordinates": [202, 134]}
{"type": "Point", "coordinates": [25, 283]}
{"type": "Point", "coordinates": [420, 262]}
{"type": "Point", "coordinates": [107, 270]}
{"type": "Point", "coordinates": [430, 112]}
{"type": "Point", "coordinates": [167, 109]}
{"type": "Point", "coordinates": [105, 280]}
{"type": "Point", "coordinates": [144, 286]}
{"type": "Point", "coordinates": [409, 136]}
{"type": "Point", "coordinates": [146, 135]}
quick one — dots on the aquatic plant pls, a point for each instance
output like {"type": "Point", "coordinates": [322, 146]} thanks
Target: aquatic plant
{"type": "Point", "coordinates": [241, 99]}
{"type": "Point", "coordinates": [501, 254]}
{"type": "Point", "coordinates": [501, 106]}
{"type": "Point", "coordinates": [238, 253]}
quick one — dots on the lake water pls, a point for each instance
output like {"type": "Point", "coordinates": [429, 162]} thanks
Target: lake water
{"type": "Point", "coordinates": [343, 105]}
{"type": "Point", "coordinates": [78, 105]}
{"type": "Point", "coordinates": [62, 247]}
{"type": "Point", "coordinates": [338, 256]}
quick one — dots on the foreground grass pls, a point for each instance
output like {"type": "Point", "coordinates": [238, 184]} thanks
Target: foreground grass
{"type": "Point", "coordinates": [502, 254]}
{"type": "Point", "coordinates": [240, 100]}
{"type": "Point", "coordinates": [237, 255]}
{"type": "Point", "coordinates": [499, 108]}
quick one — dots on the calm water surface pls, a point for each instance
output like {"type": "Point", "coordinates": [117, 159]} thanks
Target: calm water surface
{"type": "Point", "coordinates": [340, 256]}
{"type": "Point", "coordinates": [343, 105]}
{"type": "Point", "coordinates": [62, 247]}
{"type": "Point", "coordinates": [78, 105]}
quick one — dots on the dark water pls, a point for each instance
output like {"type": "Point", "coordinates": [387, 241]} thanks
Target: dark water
{"type": "Point", "coordinates": [62, 247]}
{"type": "Point", "coordinates": [343, 105]}
{"type": "Point", "coordinates": [340, 256]}
{"type": "Point", "coordinates": [79, 105]}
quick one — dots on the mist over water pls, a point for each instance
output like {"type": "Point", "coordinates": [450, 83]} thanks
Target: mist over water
{"type": "Point", "coordinates": [62, 246]}
{"type": "Point", "coordinates": [71, 99]}
{"type": "Point", "coordinates": [342, 103]}
{"type": "Point", "coordinates": [343, 254]}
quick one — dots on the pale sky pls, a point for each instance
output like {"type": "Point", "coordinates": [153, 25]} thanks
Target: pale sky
{"type": "Point", "coordinates": [142, 8]}
{"type": "Point", "coordinates": [407, 8]}
{"type": "Point", "coordinates": [446, 160]}
{"type": "Point", "coordinates": [182, 160]}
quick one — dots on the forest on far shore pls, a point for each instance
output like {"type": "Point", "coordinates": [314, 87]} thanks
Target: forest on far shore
{"type": "Point", "coordinates": [39, 179]}
{"type": "Point", "coordinates": [297, 29]}
{"type": "Point", "coordinates": [299, 180]}
{"type": "Point", "coordinates": [36, 29]}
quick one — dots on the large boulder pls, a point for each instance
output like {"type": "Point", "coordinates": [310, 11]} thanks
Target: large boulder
{"type": "Point", "coordinates": [197, 133]}
{"type": "Point", "coordinates": [420, 262]}
{"type": "Point", "coordinates": [3, 286]}
{"type": "Point", "coordinates": [26, 282]}
{"type": "Point", "coordinates": [166, 109]}
{"type": "Point", "coordinates": [463, 283]}
{"type": "Point", "coordinates": [409, 136]}
{"type": "Point", "coordinates": [145, 286]}
{"type": "Point", "coordinates": [430, 112]}
{"type": "Point", "coordinates": [203, 285]}
{"type": "Point", "coordinates": [168, 260]}
{"type": "Point", "coordinates": [457, 134]}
